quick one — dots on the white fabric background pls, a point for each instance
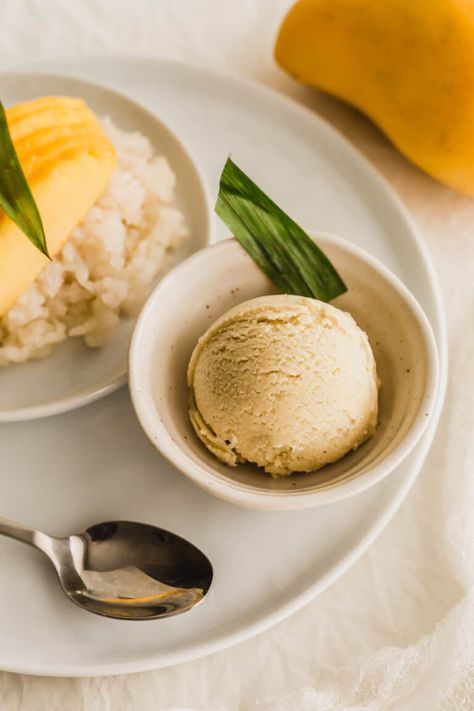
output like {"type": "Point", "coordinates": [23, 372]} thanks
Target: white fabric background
{"type": "Point", "coordinates": [397, 632]}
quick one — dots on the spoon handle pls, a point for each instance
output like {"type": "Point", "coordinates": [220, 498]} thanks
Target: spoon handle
{"type": "Point", "coordinates": [15, 530]}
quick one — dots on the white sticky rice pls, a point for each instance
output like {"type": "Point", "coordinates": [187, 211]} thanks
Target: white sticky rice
{"type": "Point", "coordinates": [108, 265]}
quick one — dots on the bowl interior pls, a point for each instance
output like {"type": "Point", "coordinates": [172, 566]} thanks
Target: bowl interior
{"type": "Point", "coordinates": [213, 281]}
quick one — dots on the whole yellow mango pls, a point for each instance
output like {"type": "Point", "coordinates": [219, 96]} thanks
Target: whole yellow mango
{"type": "Point", "coordinates": [407, 64]}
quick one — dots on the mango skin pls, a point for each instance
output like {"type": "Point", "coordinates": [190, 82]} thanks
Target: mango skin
{"type": "Point", "coordinates": [407, 64]}
{"type": "Point", "coordinates": [68, 162]}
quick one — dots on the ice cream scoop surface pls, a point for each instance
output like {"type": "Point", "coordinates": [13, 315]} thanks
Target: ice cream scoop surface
{"type": "Point", "coordinates": [286, 382]}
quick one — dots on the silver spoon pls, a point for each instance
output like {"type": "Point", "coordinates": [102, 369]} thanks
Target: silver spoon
{"type": "Point", "coordinates": [123, 569]}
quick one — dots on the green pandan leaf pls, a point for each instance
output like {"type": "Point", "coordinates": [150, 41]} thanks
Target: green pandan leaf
{"type": "Point", "coordinates": [16, 198]}
{"type": "Point", "coordinates": [282, 249]}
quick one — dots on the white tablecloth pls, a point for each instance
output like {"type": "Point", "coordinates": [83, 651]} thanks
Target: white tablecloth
{"type": "Point", "coordinates": [397, 632]}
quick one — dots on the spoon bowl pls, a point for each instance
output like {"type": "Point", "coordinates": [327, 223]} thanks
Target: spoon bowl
{"type": "Point", "coordinates": [124, 570]}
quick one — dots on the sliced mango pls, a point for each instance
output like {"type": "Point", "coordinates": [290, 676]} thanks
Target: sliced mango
{"type": "Point", "coordinates": [35, 107]}
{"type": "Point", "coordinates": [68, 162]}
{"type": "Point", "coordinates": [43, 157]}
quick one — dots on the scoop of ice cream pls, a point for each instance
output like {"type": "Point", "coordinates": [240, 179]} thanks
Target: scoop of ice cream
{"type": "Point", "coordinates": [286, 382]}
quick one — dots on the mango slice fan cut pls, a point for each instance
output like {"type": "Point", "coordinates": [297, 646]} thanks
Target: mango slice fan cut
{"type": "Point", "coordinates": [55, 162]}
{"type": "Point", "coordinates": [16, 198]}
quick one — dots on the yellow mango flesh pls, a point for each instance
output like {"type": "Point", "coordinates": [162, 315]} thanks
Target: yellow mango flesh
{"type": "Point", "coordinates": [407, 64]}
{"type": "Point", "coordinates": [68, 162]}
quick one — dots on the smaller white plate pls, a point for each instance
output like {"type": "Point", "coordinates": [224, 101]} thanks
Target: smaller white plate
{"type": "Point", "coordinates": [73, 374]}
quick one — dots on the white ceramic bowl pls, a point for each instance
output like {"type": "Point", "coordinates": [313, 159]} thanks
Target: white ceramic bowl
{"type": "Point", "coordinates": [213, 280]}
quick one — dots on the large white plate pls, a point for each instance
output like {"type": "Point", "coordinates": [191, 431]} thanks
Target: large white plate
{"type": "Point", "coordinates": [95, 464]}
{"type": "Point", "coordinates": [74, 375]}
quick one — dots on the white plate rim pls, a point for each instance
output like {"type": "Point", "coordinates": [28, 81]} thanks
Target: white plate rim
{"type": "Point", "coordinates": [311, 591]}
